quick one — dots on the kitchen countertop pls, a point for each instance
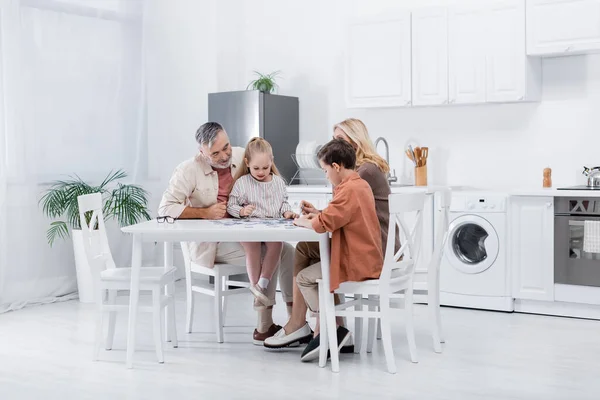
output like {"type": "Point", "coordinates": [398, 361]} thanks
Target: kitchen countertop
{"type": "Point", "coordinates": [527, 191]}
{"type": "Point", "coordinates": [395, 188]}
{"type": "Point", "coordinates": [553, 192]}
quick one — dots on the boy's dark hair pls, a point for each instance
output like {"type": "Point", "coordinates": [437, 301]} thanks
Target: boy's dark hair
{"type": "Point", "coordinates": [338, 151]}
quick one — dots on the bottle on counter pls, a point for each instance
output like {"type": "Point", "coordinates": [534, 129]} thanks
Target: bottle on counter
{"type": "Point", "coordinates": [547, 178]}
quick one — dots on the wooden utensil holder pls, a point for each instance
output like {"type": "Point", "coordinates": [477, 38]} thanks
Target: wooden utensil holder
{"type": "Point", "coordinates": [421, 176]}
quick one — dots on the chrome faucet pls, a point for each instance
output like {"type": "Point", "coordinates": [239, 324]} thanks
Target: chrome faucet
{"type": "Point", "coordinates": [393, 177]}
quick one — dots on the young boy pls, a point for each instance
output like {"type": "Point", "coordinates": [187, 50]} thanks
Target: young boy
{"type": "Point", "coordinates": [356, 251]}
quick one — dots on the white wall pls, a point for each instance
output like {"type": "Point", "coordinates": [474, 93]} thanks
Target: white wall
{"type": "Point", "coordinates": [180, 41]}
{"type": "Point", "coordinates": [486, 145]}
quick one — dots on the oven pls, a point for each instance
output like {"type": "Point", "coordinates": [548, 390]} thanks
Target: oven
{"type": "Point", "coordinates": [572, 265]}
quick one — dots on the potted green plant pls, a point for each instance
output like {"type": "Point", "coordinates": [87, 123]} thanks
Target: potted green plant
{"type": "Point", "coordinates": [264, 83]}
{"type": "Point", "coordinates": [125, 203]}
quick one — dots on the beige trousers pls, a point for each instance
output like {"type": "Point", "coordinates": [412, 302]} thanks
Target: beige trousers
{"type": "Point", "coordinates": [307, 267]}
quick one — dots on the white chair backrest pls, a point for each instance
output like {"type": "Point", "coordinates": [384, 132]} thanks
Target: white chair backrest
{"type": "Point", "coordinates": [401, 205]}
{"type": "Point", "coordinates": [93, 230]}
{"type": "Point", "coordinates": [443, 200]}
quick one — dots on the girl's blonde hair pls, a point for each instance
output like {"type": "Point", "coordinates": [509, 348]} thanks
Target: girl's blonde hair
{"type": "Point", "coordinates": [254, 146]}
{"type": "Point", "coordinates": [359, 137]}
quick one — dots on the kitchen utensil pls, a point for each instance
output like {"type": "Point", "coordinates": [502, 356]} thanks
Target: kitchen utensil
{"type": "Point", "coordinates": [411, 157]}
{"type": "Point", "coordinates": [593, 175]}
{"type": "Point", "coordinates": [412, 151]}
{"type": "Point", "coordinates": [424, 154]}
{"type": "Point", "coordinates": [418, 156]}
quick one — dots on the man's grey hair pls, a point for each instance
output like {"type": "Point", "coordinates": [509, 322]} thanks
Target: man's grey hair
{"type": "Point", "coordinates": [206, 134]}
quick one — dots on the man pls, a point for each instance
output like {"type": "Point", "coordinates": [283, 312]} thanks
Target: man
{"type": "Point", "coordinates": [199, 189]}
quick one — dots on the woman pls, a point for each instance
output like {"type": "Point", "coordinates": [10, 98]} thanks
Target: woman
{"type": "Point", "coordinates": [372, 168]}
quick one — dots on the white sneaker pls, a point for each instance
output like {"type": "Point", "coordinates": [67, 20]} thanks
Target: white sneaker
{"type": "Point", "coordinates": [260, 295]}
{"type": "Point", "coordinates": [280, 339]}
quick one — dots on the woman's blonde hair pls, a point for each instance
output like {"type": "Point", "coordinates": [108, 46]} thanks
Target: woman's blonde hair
{"type": "Point", "coordinates": [356, 130]}
{"type": "Point", "coordinates": [254, 146]}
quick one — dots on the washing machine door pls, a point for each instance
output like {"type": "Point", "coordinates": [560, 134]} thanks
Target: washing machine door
{"type": "Point", "coordinates": [472, 245]}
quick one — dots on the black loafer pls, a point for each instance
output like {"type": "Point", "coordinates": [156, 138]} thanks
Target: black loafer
{"type": "Point", "coordinates": [311, 352]}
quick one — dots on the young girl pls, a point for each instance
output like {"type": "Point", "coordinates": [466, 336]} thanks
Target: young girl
{"type": "Point", "coordinates": [260, 192]}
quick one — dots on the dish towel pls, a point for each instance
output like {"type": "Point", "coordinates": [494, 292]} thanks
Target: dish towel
{"type": "Point", "coordinates": [591, 236]}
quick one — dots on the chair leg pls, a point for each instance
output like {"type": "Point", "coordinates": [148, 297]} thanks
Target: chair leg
{"type": "Point", "coordinates": [438, 311]}
{"type": "Point", "coordinates": [358, 326]}
{"type": "Point", "coordinates": [112, 319]}
{"type": "Point", "coordinates": [386, 333]}
{"type": "Point", "coordinates": [378, 322]}
{"type": "Point", "coordinates": [324, 343]}
{"type": "Point", "coordinates": [172, 320]}
{"type": "Point", "coordinates": [372, 326]}
{"type": "Point", "coordinates": [410, 330]}
{"type": "Point", "coordinates": [99, 327]}
{"type": "Point", "coordinates": [219, 307]}
{"type": "Point", "coordinates": [224, 288]}
{"type": "Point", "coordinates": [331, 331]}
{"type": "Point", "coordinates": [434, 310]}
{"type": "Point", "coordinates": [189, 311]}
{"type": "Point", "coordinates": [157, 322]}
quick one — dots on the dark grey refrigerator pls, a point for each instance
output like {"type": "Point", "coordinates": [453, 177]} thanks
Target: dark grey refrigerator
{"type": "Point", "coordinates": [249, 113]}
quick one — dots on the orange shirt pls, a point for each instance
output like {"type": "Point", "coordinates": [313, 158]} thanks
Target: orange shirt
{"type": "Point", "coordinates": [356, 253]}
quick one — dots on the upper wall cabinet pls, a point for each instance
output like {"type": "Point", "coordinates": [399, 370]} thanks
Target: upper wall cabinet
{"type": "Point", "coordinates": [510, 74]}
{"type": "Point", "coordinates": [378, 64]}
{"type": "Point", "coordinates": [466, 55]}
{"type": "Point", "coordinates": [429, 57]}
{"type": "Point", "coordinates": [563, 27]}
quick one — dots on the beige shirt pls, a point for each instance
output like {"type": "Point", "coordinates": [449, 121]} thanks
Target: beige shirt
{"type": "Point", "coordinates": [194, 183]}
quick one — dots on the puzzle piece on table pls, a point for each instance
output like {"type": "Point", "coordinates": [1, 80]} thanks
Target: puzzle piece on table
{"type": "Point", "coordinates": [250, 223]}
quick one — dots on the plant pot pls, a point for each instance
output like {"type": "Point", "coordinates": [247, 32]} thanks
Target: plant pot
{"type": "Point", "coordinates": [85, 281]}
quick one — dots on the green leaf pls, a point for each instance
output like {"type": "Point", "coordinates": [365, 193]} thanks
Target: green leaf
{"type": "Point", "coordinates": [119, 174]}
{"type": "Point", "coordinates": [58, 229]}
{"type": "Point", "coordinates": [126, 203]}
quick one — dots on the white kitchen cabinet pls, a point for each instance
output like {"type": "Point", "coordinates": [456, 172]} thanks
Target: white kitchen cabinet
{"type": "Point", "coordinates": [532, 247]}
{"type": "Point", "coordinates": [429, 57]}
{"type": "Point", "coordinates": [378, 62]}
{"type": "Point", "coordinates": [466, 54]}
{"type": "Point", "coordinates": [511, 76]}
{"type": "Point", "coordinates": [563, 27]}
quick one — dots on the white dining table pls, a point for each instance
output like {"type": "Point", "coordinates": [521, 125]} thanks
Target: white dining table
{"type": "Point", "coordinates": [225, 230]}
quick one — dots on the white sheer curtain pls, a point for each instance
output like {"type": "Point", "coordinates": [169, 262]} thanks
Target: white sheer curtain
{"type": "Point", "coordinates": [73, 102]}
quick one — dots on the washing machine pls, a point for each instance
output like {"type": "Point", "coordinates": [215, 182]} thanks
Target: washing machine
{"type": "Point", "coordinates": [474, 271]}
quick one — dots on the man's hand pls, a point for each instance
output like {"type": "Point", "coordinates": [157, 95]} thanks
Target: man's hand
{"type": "Point", "coordinates": [308, 208]}
{"type": "Point", "coordinates": [216, 211]}
{"type": "Point", "coordinates": [290, 215]}
{"type": "Point", "coordinates": [247, 211]}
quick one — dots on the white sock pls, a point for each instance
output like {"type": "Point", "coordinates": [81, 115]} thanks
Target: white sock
{"type": "Point", "coordinates": [263, 283]}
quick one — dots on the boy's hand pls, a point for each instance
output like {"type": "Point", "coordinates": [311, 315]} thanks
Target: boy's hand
{"type": "Point", "coordinates": [304, 221]}
{"type": "Point", "coordinates": [247, 211]}
{"type": "Point", "coordinates": [308, 208]}
{"type": "Point", "coordinates": [290, 215]}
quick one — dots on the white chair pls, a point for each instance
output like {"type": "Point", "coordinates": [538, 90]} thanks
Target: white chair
{"type": "Point", "coordinates": [395, 276]}
{"type": "Point", "coordinates": [108, 279]}
{"type": "Point", "coordinates": [443, 199]}
{"type": "Point", "coordinates": [220, 291]}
